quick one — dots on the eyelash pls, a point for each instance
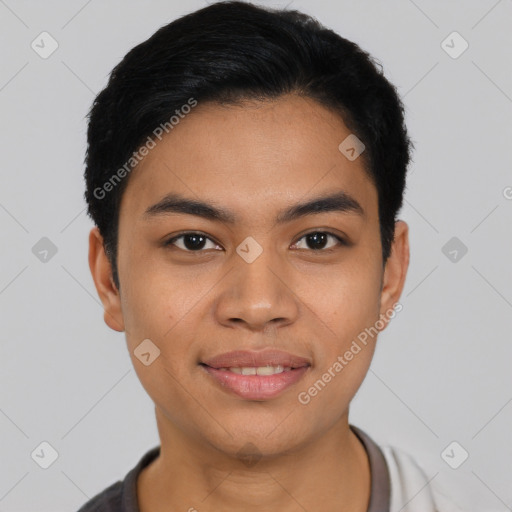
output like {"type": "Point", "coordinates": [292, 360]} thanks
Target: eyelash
{"type": "Point", "coordinates": [171, 241]}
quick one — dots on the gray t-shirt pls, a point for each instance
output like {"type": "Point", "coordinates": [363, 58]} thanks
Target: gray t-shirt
{"type": "Point", "coordinates": [122, 495]}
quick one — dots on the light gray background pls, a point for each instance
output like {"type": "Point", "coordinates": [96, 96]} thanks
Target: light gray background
{"type": "Point", "coordinates": [442, 370]}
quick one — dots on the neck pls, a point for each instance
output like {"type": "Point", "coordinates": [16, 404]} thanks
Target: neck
{"type": "Point", "coordinates": [330, 473]}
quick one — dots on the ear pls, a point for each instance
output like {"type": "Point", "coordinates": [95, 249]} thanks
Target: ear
{"type": "Point", "coordinates": [101, 271]}
{"type": "Point", "coordinates": [395, 271]}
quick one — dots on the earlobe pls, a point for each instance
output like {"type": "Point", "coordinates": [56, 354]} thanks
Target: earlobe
{"type": "Point", "coordinates": [101, 272]}
{"type": "Point", "coordinates": [395, 271]}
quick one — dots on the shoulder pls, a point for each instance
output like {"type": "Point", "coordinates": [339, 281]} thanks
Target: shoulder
{"type": "Point", "coordinates": [411, 489]}
{"type": "Point", "coordinates": [122, 495]}
{"type": "Point", "coordinates": [108, 500]}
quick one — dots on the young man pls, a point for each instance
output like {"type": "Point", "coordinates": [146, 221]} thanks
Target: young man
{"type": "Point", "coordinates": [245, 167]}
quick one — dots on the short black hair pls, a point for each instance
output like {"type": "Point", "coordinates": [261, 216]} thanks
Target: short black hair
{"type": "Point", "coordinates": [225, 53]}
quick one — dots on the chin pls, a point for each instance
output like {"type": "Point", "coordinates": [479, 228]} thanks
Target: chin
{"type": "Point", "coordinates": [256, 439]}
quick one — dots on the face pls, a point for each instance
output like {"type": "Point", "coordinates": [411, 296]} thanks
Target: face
{"type": "Point", "coordinates": [288, 290]}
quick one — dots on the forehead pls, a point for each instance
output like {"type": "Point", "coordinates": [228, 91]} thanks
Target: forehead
{"type": "Point", "coordinates": [252, 157]}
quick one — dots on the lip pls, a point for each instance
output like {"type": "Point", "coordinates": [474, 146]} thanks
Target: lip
{"type": "Point", "coordinates": [271, 357]}
{"type": "Point", "coordinates": [256, 387]}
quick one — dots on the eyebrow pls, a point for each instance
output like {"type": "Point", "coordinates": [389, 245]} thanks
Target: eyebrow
{"type": "Point", "coordinates": [339, 202]}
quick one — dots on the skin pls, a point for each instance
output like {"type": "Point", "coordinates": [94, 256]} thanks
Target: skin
{"type": "Point", "coordinates": [254, 159]}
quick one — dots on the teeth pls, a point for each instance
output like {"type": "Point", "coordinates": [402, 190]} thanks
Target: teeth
{"type": "Point", "coordinates": [261, 370]}
{"type": "Point", "coordinates": [269, 370]}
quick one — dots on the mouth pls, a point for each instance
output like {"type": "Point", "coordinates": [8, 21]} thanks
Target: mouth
{"type": "Point", "coordinates": [256, 375]}
{"type": "Point", "coordinates": [260, 370]}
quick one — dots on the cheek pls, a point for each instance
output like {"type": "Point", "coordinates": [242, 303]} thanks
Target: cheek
{"type": "Point", "coordinates": [156, 308]}
{"type": "Point", "coordinates": [162, 303]}
{"type": "Point", "coordinates": [153, 299]}
{"type": "Point", "coordinates": [343, 316]}
{"type": "Point", "coordinates": [348, 303]}
{"type": "Point", "coordinates": [346, 300]}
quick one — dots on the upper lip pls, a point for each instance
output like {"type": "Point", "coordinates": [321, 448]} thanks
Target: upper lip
{"type": "Point", "coordinates": [247, 358]}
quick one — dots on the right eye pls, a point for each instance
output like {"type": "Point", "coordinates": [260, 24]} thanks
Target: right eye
{"type": "Point", "coordinates": [190, 242]}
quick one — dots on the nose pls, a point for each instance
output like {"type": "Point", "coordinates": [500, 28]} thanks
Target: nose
{"type": "Point", "coordinates": [258, 295]}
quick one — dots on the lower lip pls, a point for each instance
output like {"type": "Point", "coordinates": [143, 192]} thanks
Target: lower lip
{"type": "Point", "coordinates": [256, 387]}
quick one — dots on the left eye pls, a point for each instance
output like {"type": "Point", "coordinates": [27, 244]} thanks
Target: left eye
{"type": "Point", "coordinates": [318, 240]}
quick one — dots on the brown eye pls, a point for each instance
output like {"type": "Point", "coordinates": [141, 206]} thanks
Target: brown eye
{"type": "Point", "coordinates": [191, 242]}
{"type": "Point", "coordinates": [319, 240]}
